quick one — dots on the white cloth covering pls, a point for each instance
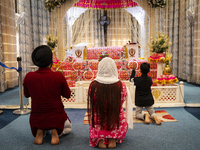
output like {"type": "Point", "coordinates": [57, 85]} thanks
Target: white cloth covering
{"type": "Point", "coordinates": [129, 110]}
{"type": "Point", "coordinates": [67, 127]}
{"type": "Point", "coordinates": [107, 71]}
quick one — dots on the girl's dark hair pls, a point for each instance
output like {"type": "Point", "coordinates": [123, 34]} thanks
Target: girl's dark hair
{"type": "Point", "coordinates": [104, 101]}
{"type": "Point", "coordinates": [145, 68]}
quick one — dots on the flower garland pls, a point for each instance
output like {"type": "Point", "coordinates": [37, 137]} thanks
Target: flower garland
{"type": "Point", "coordinates": [166, 79]}
{"type": "Point", "coordinates": [157, 3]}
{"type": "Point", "coordinates": [70, 59]}
{"type": "Point", "coordinates": [157, 57]}
{"type": "Point", "coordinates": [159, 44]}
{"type": "Point", "coordinates": [51, 4]}
{"type": "Point", "coordinates": [168, 59]}
{"type": "Point", "coordinates": [52, 41]}
{"type": "Point", "coordinates": [103, 55]}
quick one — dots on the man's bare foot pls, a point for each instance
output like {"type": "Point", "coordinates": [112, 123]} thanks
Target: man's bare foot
{"type": "Point", "coordinates": [147, 119]}
{"type": "Point", "coordinates": [102, 145]}
{"type": "Point", "coordinates": [112, 143]}
{"type": "Point", "coordinates": [39, 137]}
{"type": "Point", "coordinates": [54, 137]}
{"type": "Point", "coordinates": [157, 120]}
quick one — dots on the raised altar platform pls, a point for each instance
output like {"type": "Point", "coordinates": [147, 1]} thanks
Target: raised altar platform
{"type": "Point", "coordinates": [164, 96]}
{"type": "Point", "coordinates": [79, 73]}
{"type": "Point", "coordinates": [81, 52]}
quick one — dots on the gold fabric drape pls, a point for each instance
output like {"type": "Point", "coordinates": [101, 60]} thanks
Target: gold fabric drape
{"type": "Point", "coordinates": [8, 52]}
{"type": "Point", "coordinates": [196, 72]}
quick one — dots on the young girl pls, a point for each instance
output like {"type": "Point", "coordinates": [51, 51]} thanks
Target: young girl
{"type": "Point", "coordinates": [108, 123]}
{"type": "Point", "coordinates": [143, 95]}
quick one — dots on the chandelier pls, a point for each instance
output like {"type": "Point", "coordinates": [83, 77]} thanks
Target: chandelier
{"type": "Point", "coordinates": [157, 3]}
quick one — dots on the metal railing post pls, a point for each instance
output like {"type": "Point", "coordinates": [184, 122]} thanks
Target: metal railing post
{"type": "Point", "coordinates": [22, 110]}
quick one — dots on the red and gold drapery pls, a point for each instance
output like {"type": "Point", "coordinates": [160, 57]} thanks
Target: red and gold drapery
{"type": "Point", "coordinates": [105, 4]}
{"type": "Point", "coordinates": [157, 57]}
{"type": "Point", "coordinates": [166, 79]}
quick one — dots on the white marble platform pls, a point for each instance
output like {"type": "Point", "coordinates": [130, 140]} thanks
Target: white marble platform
{"type": "Point", "coordinates": [164, 96]}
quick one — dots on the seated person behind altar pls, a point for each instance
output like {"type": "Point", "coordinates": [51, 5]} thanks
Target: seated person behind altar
{"type": "Point", "coordinates": [106, 95]}
{"type": "Point", "coordinates": [143, 95]}
{"type": "Point", "coordinates": [45, 88]}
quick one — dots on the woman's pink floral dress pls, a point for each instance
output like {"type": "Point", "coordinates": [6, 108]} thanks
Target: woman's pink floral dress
{"type": "Point", "coordinates": [95, 134]}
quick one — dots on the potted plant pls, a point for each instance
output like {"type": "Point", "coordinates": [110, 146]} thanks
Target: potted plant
{"type": "Point", "coordinates": [160, 44]}
{"type": "Point", "coordinates": [52, 41]}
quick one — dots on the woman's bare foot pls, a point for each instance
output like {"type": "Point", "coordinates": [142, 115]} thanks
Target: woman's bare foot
{"type": "Point", "coordinates": [54, 137]}
{"type": "Point", "coordinates": [39, 137]}
{"type": "Point", "coordinates": [112, 143]}
{"type": "Point", "coordinates": [102, 145]}
{"type": "Point", "coordinates": [147, 119]}
{"type": "Point", "coordinates": [157, 120]}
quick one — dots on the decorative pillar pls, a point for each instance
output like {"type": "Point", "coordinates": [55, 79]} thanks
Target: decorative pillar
{"type": "Point", "coordinates": [80, 92]}
{"type": "Point", "coordinates": [159, 69]}
{"type": "Point", "coordinates": [181, 92]}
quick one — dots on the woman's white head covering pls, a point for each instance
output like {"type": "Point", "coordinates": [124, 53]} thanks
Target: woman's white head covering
{"type": "Point", "coordinates": [107, 71]}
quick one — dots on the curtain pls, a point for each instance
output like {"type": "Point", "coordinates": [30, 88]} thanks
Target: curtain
{"type": "Point", "coordinates": [140, 30]}
{"type": "Point", "coordinates": [181, 36]}
{"type": "Point", "coordinates": [123, 28]}
{"type": "Point", "coordinates": [8, 53]}
{"type": "Point", "coordinates": [33, 30]}
{"type": "Point", "coordinates": [197, 43]}
{"type": "Point", "coordinates": [174, 20]}
{"type": "Point", "coordinates": [86, 21]}
{"type": "Point", "coordinates": [97, 35]}
{"type": "Point", "coordinates": [119, 30]}
{"type": "Point", "coordinates": [145, 37]}
{"type": "Point", "coordinates": [174, 35]}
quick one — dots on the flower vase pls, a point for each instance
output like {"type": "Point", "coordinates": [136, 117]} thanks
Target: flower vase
{"type": "Point", "coordinates": [167, 70]}
{"type": "Point", "coordinates": [53, 51]}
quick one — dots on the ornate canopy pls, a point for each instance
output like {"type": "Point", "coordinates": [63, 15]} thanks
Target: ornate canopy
{"type": "Point", "coordinates": [105, 4]}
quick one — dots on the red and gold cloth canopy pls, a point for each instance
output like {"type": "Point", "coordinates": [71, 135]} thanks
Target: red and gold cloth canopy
{"type": "Point", "coordinates": [105, 4]}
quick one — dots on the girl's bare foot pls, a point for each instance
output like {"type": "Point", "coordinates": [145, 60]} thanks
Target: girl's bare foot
{"type": "Point", "coordinates": [147, 119]}
{"type": "Point", "coordinates": [102, 145]}
{"type": "Point", "coordinates": [112, 143]}
{"type": "Point", "coordinates": [157, 120]}
{"type": "Point", "coordinates": [54, 137]}
{"type": "Point", "coordinates": [39, 137]}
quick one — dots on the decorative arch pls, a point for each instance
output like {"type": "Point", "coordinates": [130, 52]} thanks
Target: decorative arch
{"type": "Point", "coordinates": [128, 27]}
{"type": "Point", "coordinates": [60, 12]}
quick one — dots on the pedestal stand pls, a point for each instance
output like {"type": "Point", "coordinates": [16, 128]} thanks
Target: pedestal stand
{"type": "Point", "coordinates": [22, 110]}
{"type": "Point", "coordinates": [159, 69]}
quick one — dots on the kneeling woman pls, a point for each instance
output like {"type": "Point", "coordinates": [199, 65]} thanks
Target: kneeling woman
{"type": "Point", "coordinates": [106, 95]}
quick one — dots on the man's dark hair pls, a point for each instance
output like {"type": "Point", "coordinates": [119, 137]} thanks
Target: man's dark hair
{"type": "Point", "coordinates": [145, 68]}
